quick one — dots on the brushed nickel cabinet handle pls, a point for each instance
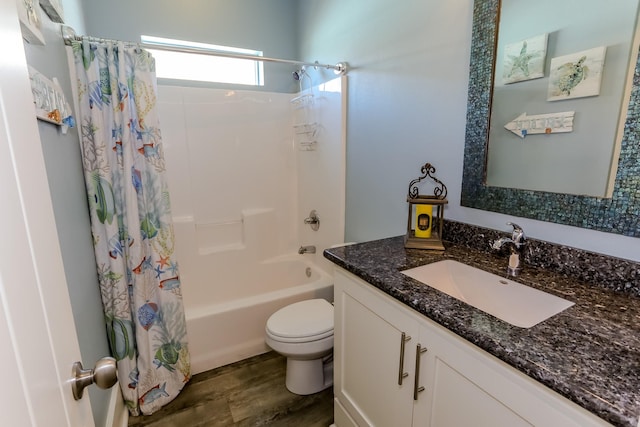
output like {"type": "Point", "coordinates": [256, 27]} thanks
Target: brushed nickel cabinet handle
{"type": "Point", "coordinates": [401, 373]}
{"type": "Point", "coordinates": [417, 388]}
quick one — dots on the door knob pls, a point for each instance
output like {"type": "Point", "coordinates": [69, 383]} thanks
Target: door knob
{"type": "Point", "coordinates": [104, 375]}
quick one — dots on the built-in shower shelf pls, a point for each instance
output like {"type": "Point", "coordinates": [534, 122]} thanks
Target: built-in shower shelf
{"type": "Point", "coordinates": [220, 235]}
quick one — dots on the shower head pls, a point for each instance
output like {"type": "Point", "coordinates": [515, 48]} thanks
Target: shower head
{"type": "Point", "coordinates": [299, 74]}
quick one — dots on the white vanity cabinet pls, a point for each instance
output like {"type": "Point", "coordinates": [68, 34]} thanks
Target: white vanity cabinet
{"type": "Point", "coordinates": [395, 368]}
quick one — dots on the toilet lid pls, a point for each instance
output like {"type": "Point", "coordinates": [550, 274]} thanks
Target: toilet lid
{"type": "Point", "coordinates": [305, 319]}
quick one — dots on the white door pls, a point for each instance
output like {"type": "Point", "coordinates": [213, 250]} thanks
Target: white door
{"type": "Point", "coordinates": [38, 337]}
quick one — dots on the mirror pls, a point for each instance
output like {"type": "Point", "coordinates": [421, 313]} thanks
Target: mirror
{"type": "Point", "coordinates": [618, 214]}
{"type": "Point", "coordinates": [565, 73]}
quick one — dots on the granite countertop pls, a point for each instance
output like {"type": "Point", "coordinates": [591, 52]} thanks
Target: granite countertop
{"type": "Point", "coordinates": [589, 353]}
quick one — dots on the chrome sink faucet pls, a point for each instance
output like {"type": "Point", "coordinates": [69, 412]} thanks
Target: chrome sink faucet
{"type": "Point", "coordinates": [516, 246]}
{"type": "Point", "coordinates": [307, 250]}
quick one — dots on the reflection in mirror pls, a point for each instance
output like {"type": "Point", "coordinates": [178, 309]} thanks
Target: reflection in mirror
{"type": "Point", "coordinates": [618, 214]}
{"type": "Point", "coordinates": [559, 86]}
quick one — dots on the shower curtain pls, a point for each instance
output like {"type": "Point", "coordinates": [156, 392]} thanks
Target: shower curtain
{"type": "Point", "coordinates": [131, 221]}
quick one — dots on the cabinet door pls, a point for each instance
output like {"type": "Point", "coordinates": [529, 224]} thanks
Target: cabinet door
{"type": "Point", "coordinates": [453, 399]}
{"type": "Point", "coordinates": [368, 363]}
{"type": "Point", "coordinates": [457, 401]}
{"type": "Point", "coordinates": [450, 397]}
{"type": "Point", "coordinates": [466, 386]}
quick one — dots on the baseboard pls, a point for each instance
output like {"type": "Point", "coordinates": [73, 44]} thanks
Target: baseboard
{"type": "Point", "coordinates": [118, 415]}
{"type": "Point", "coordinates": [341, 417]}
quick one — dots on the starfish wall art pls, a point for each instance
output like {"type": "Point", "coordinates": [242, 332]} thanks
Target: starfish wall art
{"type": "Point", "coordinates": [524, 60]}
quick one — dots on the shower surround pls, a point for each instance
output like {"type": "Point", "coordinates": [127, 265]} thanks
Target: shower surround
{"type": "Point", "coordinates": [242, 181]}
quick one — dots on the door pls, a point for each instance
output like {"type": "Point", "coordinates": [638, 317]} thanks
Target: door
{"type": "Point", "coordinates": [39, 341]}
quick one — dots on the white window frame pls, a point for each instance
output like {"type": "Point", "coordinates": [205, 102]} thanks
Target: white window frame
{"type": "Point", "coordinates": [172, 63]}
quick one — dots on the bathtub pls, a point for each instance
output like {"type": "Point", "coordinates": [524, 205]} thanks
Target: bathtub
{"type": "Point", "coordinates": [224, 333]}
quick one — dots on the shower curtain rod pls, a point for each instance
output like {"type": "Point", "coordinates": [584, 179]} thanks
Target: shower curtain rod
{"type": "Point", "coordinates": [68, 34]}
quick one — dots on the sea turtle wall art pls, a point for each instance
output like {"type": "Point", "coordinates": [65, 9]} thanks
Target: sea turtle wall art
{"type": "Point", "coordinates": [576, 75]}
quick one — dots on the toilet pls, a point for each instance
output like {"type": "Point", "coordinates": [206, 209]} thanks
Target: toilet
{"type": "Point", "coordinates": [303, 333]}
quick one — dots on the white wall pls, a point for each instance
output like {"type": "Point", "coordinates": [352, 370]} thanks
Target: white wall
{"type": "Point", "coordinates": [321, 171]}
{"type": "Point", "coordinates": [241, 185]}
{"type": "Point", "coordinates": [407, 106]}
{"type": "Point", "coordinates": [231, 170]}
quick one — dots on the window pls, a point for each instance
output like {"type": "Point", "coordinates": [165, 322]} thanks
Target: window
{"type": "Point", "coordinates": [202, 66]}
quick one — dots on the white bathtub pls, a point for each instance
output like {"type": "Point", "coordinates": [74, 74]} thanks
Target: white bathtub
{"type": "Point", "coordinates": [224, 333]}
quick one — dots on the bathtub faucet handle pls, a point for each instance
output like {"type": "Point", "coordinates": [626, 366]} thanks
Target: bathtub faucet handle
{"type": "Point", "coordinates": [313, 220]}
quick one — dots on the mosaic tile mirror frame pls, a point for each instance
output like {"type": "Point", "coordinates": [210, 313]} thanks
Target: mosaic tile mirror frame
{"type": "Point", "coordinates": [619, 214]}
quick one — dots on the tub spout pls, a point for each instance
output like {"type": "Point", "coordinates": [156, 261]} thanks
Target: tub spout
{"type": "Point", "coordinates": [307, 250]}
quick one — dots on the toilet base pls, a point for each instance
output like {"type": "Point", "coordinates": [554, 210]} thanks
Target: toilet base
{"type": "Point", "coordinates": [308, 376]}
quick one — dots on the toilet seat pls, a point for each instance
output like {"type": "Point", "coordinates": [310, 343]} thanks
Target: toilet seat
{"type": "Point", "coordinates": [303, 321]}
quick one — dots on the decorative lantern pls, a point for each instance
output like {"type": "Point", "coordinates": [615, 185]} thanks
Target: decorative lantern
{"type": "Point", "coordinates": [426, 213]}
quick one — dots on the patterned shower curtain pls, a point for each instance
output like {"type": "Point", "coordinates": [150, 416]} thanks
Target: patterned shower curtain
{"type": "Point", "coordinates": [131, 221]}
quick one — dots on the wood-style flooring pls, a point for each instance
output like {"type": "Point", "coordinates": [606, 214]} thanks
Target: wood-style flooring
{"type": "Point", "coordinates": [247, 393]}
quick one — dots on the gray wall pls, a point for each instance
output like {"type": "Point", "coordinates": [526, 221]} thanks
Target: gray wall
{"type": "Point", "coordinates": [407, 91]}
{"type": "Point", "coordinates": [269, 26]}
{"type": "Point", "coordinates": [407, 105]}
{"type": "Point", "coordinates": [66, 183]}
{"type": "Point", "coordinates": [406, 100]}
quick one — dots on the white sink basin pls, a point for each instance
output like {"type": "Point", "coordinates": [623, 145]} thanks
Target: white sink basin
{"type": "Point", "coordinates": [505, 299]}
